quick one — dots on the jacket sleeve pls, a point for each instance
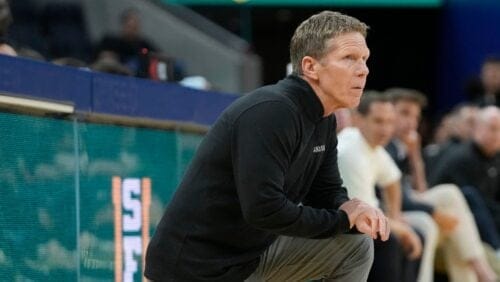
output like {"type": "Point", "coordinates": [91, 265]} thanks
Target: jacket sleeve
{"type": "Point", "coordinates": [264, 139]}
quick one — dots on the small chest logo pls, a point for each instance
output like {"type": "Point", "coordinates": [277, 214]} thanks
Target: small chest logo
{"type": "Point", "coordinates": [319, 149]}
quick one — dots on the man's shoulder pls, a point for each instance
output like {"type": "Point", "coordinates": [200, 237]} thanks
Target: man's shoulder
{"type": "Point", "coordinates": [350, 144]}
{"type": "Point", "coordinates": [350, 137]}
{"type": "Point", "coordinates": [460, 155]}
{"type": "Point", "coordinates": [265, 100]}
{"type": "Point", "coordinates": [464, 150]}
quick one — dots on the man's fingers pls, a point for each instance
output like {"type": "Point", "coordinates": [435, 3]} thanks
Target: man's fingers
{"type": "Point", "coordinates": [415, 253]}
{"type": "Point", "coordinates": [383, 226]}
{"type": "Point", "coordinates": [380, 224]}
{"type": "Point", "coordinates": [374, 224]}
{"type": "Point", "coordinates": [364, 224]}
{"type": "Point", "coordinates": [372, 221]}
{"type": "Point", "coordinates": [387, 230]}
{"type": "Point", "coordinates": [364, 228]}
{"type": "Point", "coordinates": [416, 247]}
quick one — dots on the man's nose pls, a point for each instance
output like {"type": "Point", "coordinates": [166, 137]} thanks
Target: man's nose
{"type": "Point", "coordinates": [363, 69]}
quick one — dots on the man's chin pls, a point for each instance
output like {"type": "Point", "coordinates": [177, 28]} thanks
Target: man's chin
{"type": "Point", "coordinates": [354, 103]}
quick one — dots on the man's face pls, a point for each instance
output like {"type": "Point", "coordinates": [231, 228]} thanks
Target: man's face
{"type": "Point", "coordinates": [131, 26]}
{"type": "Point", "coordinates": [464, 122]}
{"type": "Point", "coordinates": [378, 125]}
{"type": "Point", "coordinates": [342, 71]}
{"type": "Point", "coordinates": [407, 117]}
{"type": "Point", "coordinates": [490, 77]}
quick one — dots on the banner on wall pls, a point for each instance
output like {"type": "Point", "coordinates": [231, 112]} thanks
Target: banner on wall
{"type": "Point", "coordinates": [131, 203]}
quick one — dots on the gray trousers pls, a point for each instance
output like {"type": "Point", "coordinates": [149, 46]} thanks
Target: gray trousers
{"type": "Point", "coordinates": [342, 258]}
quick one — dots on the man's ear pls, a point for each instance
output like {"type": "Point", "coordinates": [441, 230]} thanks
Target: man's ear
{"type": "Point", "coordinates": [309, 67]}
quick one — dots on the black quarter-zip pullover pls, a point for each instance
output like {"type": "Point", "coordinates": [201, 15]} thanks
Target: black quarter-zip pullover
{"type": "Point", "coordinates": [267, 167]}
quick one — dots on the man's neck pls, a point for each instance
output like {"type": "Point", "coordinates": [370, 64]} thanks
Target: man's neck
{"type": "Point", "coordinates": [372, 145]}
{"type": "Point", "coordinates": [329, 106]}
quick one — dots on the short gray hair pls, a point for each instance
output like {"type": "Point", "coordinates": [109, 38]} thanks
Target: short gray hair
{"type": "Point", "coordinates": [312, 35]}
{"type": "Point", "coordinates": [397, 94]}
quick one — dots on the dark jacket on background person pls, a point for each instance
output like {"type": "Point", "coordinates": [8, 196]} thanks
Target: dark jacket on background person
{"type": "Point", "coordinates": [468, 166]}
{"type": "Point", "coordinates": [268, 152]}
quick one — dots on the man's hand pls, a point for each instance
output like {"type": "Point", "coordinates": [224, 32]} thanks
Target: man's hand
{"type": "Point", "coordinates": [367, 219]}
{"type": "Point", "coordinates": [408, 238]}
{"type": "Point", "coordinates": [413, 144]}
{"type": "Point", "coordinates": [412, 141]}
{"type": "Point", "coordinates": [446, 222]}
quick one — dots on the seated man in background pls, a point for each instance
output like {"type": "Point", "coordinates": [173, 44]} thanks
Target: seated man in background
{"type": "Point", "coordinates": [463, 251]}
{"type": "Point", "coordinates": [476, 164]}
{"type": "Point", "coordinates": [460, 123]}
{"type": "Point", "coordinates": [129, 44]}
{"type": "Point", "coordinates": [363, 164]}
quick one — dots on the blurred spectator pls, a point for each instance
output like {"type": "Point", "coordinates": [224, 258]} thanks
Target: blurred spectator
{"type": "Point", "coordinates": [486, 90]}
{"type": "Point", "coordinates": [5, 21]}
{"type": "Point", "coordinates": [29, 53]}
{"type": "Point", "coordinates": [129, 46]}
{"type": "Point", "coordinates": [458, 127]}
{"type": "Point", "coordinates": [477, 163]}
{"type": "Point", "coordinates": [344, 117]}
{"type": "Point", "coordinates": [442, 131]}
{"type": "Point", "coordinates": [111, 65]}
{"type": "Point", "coordinates": [462, 122]}
{"type": "Point", "coordinates": [70, 62]}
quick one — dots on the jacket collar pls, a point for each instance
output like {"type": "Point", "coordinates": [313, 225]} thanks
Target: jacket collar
{"type": "Point", "coordinates": [302, 93]}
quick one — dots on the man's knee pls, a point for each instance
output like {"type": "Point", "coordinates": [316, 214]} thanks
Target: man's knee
{"type": "Point", "coordinates": [362, 249]}
{"type": "Point", "coordinates": [452, 195]}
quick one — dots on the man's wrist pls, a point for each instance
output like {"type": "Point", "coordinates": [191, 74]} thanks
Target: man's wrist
{"type": "Point", "coordinates": [344, 223]}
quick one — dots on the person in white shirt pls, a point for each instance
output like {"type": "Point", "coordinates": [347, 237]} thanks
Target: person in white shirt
{"type": "Point", "coordinates": [364, 164]}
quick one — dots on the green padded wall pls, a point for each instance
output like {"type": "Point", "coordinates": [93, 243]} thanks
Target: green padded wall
{"type": "Point", "coordinates": [57, 218]}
